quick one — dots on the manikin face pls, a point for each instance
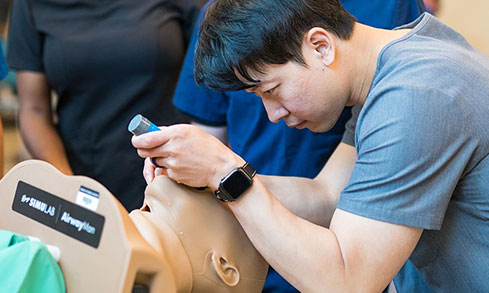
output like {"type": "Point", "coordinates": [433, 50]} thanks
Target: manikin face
{"type": "Point", "coordinates": [193, 230]}
{"type": "Point", "coordinates": [311, 96]}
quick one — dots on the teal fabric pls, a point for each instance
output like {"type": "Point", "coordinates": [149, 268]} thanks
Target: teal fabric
{"type": "Point", "coordinates": [27, 266]}
{"type": "Point", "coordinates": [7, 77]}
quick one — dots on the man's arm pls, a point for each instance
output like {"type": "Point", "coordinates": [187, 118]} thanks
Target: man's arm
{"type": "Point", "coordinates": [356, 254]}
{"type": "Point", "coordinates": [315, 199]}
{"type": "Point", "coordinates": [36, 122]}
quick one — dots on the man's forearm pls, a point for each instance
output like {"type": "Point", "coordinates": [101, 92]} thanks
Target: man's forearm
{"type": "Point", "coordinates": [307, 255]}
{"type": "Point", "coordinates": [306, 198]}
{"type": "Point", "coordinates": [315, 199]}
{"type": "Point", "coordinates": [356, 254]}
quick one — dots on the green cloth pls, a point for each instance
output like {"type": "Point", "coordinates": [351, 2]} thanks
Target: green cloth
{"type": "Point", "coordinates": [27, 266]}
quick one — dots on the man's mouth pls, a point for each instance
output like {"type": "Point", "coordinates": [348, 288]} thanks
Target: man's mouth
{"type": "Point", "coordinates": [299, 125]}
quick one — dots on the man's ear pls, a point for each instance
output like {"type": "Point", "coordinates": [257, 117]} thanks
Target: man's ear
{"type": "Point", "coordinates": [322, 43]}
{"type": "Point", "coordinates": [226, 271]}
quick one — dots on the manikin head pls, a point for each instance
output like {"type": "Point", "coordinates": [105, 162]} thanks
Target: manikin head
{"type": "Point", "coordinates": [204, 244]}
{"type": "Point", "coordinates": [285, 51]}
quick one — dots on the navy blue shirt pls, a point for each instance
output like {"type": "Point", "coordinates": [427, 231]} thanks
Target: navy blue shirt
{"type": "Point", "coordinates": [275, 149]}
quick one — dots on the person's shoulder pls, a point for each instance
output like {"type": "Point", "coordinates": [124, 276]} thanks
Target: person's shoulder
{"type": "Point", "coordinates": [423, 61]}
{"type": "Point", "coordinates": [430, 42]}
{"type": "Point", "coordinates": [19, 6]}
{"type": "Point", "coordinates": [408, 104]}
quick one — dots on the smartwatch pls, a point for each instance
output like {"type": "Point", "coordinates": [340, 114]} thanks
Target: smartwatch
{"type": "Point", "coordinates": [233, 185]}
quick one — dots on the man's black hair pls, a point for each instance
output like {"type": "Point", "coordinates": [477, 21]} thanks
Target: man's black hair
{"type": "Point", "coordinates": [245, 35]}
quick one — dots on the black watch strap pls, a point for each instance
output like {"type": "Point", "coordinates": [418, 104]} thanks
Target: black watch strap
{"type": "Point", "coordinates": [223, 195]}
{"type": "Point", "coordinates": [249, 170]}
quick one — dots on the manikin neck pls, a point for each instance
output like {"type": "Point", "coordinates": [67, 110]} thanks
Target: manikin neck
{"type": "Point", "coordinates": [178, 259]}
{"type": "Point", "coordinates": [166, 242]}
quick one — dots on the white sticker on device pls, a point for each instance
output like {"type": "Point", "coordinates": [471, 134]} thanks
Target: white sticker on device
{"type": "Point", "coordinates": [87, 198]}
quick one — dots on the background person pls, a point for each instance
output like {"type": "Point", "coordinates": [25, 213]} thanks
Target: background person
{"type": "Point", "coordinates": [106, 62]}
{"type": "Point", "coordinates": [432, 6]}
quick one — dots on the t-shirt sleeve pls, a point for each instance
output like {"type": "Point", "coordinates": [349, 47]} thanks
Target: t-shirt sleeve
{"type": "Point", "coordinates": [199, 103]}
{"type": "Point", "coordinates": [410, 157]}
{"type": "Point", "coordinates": [349, 134]}
{"type": "Point", "coordinates": [24, 51]}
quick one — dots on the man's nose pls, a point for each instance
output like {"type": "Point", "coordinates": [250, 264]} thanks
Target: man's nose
{"type": "Point", "coordinates": [275, 111]}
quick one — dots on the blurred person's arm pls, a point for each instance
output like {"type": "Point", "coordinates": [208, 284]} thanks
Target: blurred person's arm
{"type": "Point", "coordinates": [36, 120]}
{"type": "Point", "coordinates": [221, 132]}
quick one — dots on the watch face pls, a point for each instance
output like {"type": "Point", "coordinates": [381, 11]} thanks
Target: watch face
{"type": "Point", "coordinates": [236, 184]}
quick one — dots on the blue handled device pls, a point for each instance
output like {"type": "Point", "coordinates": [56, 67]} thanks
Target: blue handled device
{"type": "Point", "coordinates": [140, 124]}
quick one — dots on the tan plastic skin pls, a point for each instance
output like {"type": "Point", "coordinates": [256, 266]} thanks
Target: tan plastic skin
{"type": "Point", "coordinates": [182, 240]}
{"type": "Point", "coordinates": [200, 238]}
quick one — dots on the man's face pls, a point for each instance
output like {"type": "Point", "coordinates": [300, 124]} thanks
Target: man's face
{"type": "Point", "coordinates": [311, 96]}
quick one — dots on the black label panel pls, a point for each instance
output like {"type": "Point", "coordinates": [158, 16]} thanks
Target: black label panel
{"type": "Point", "coordinates": [59, 214]}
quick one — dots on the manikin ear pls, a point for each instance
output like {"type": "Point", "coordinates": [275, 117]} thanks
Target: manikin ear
{"type": "Point", "coordinates": [322, 43]}
{"type": "Point", "coordinates": [226, 271]}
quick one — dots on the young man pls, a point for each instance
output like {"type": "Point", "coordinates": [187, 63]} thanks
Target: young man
{"type": "Point", "coordinates": [403, 193]}
{"type": "Point", "coordinates": [239, 119]}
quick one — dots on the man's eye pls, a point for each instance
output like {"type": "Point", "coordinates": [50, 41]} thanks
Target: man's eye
{"type": "Point", "coordinates": [270, 91]}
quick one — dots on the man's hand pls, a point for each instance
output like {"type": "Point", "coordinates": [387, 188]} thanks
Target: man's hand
{"type": "Point", "coordinates": [188, 154]}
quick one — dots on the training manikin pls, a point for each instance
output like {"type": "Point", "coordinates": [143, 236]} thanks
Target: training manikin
{"type": "Point", "coordinates": [202, 241]}
{"type": "Point", "coordinates": [181, 240]}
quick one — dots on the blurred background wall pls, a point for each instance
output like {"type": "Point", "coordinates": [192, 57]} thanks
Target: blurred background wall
{"type": "Point", "coordinates": [470, 18]}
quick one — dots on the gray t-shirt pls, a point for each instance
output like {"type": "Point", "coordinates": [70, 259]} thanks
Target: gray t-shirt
{"type": "Point", "coordinates": [422, 140]}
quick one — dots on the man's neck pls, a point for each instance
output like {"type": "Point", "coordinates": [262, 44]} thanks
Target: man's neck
{"type": "Point", "coordinates": [362, 51]}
